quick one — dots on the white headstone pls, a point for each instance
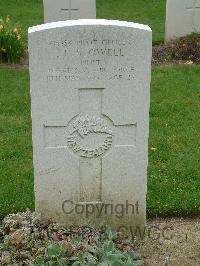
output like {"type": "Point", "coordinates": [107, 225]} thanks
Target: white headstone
{"type": "Point", "coordinates": [60, 10]}
{"type": "Point", "coordinates": [182, 18]}
{"type": "Point", "coordinates": [90, 90]}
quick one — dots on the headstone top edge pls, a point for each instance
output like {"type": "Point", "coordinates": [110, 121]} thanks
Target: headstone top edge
{"type": "Point", "coordinates": [89, 22]}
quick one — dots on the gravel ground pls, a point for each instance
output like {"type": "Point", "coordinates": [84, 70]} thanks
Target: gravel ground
{"type": "Point", "coordinates": [171, 242]}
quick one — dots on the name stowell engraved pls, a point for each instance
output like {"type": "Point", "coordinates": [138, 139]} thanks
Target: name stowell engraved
{"type": "Point", "coordinates": [89, 136]}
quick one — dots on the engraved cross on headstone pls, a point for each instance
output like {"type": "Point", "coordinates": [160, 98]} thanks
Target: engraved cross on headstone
{"type": "Point", "coordinates": [70, 10]}
{"type": "Point", "coordinates": [90, 136]}
{"type": "Point", "coordinates": [195, 9]}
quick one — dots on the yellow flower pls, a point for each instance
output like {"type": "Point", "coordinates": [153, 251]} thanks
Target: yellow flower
{"type": "Point", "coordinates": [18, 37]}
{"type": "Point", "coordinates": [1, 27]}
{"type": "Point", "coordinates": [15, 30]}
{"type": "Point", "coordinates": [3, 50]}
{"type": "Point", "coordinates": [7, 19]}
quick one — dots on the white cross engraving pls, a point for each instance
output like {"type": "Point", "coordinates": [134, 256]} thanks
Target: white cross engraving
{"type": "Point", "coordinates": [70, 10]}
{"type": "Point", "coordinates": [195, 9]}
{"type": "Point", "coordinates": [90, 136]}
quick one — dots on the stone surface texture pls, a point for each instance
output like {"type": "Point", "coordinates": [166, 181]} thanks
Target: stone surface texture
{"type": "Point", "coordinates": [90, 91]}
{"type": "Point", "coordinates": [182, 18]}
{"type": "Point", "coordinates": [68, 9]}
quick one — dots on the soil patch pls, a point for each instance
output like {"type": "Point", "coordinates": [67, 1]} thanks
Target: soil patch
{"type": "Point", "coordinates": [22, 65]}
{"type": "Point", "coordinates": [162, 56]}
{"type": "Point", "coordinates": [171, 242]}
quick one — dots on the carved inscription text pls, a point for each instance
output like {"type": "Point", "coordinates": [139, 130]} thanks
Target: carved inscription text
{"type": "Point", "coordinates": [92, 57]}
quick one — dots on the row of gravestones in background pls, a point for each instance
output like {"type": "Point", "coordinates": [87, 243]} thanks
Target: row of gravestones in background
{"type": "Point", "coordinates": [182, 16]}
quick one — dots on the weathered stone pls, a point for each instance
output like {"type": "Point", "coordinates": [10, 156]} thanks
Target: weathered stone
{"type": "Point", "coordinates": [182, 18]}
{"type": "Point", "coordinates": [90, 90]}
{"type": "Point", "coordinates": [68, 9]}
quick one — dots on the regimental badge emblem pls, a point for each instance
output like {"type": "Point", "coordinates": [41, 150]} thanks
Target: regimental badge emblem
{"type": "Point", "coordinates": [90, 136]}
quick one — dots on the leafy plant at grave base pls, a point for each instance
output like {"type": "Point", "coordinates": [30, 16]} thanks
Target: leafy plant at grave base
{"type": "Point", "coordinates": [78, 253]}
{"type": "Point", "coordinates": [11, 44]}
{"type": "Point", "coordinates": [187, 48]}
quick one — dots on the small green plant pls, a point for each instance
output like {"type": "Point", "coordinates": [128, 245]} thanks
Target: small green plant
{"type": "Point", "coordinates": [78, 252]}
{"type": "Point", "coordinates": [56, 255]}
{"type": "Point", "coordinates": [11, 44]}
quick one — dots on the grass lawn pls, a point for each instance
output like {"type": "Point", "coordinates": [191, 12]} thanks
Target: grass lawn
{"type": "Point", "coordinates": [16, 174]}
{"type": "Point", "coordinates": [174, 168]}
{"type": "Point", "coordinates": [151, 12]}
{"type": "Point", "coordinates": [173, 182]}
